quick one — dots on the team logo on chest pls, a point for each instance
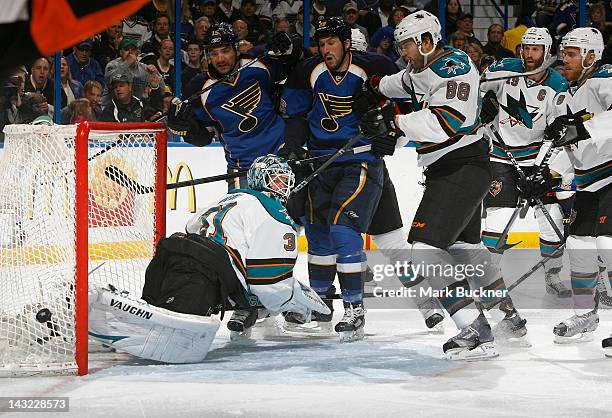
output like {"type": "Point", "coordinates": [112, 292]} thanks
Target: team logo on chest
{"type": "Point", "coordinates": [243, 105]}
{"type": "Point", "coordinates": [519, 112]}
{"type": "Point", "coordinates": [335, 107]}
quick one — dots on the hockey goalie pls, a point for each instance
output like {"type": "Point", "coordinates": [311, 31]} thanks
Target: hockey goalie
{"type": "Point", "coordinates": [237, 254]}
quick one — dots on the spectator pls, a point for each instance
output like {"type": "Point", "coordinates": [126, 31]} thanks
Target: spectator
{"type": "Point", "coordinates": [368, 18]}
{"type": "Point", "coordinates": [288, 9]}
{"type": "Point", "coordinates": [137, 29]}
{"type": "Point", "coordinates": [458, 40]}
{"type": "Point", "coordinates": [71, 89]}
{"type": "Point", "coordinates": [474, 51]}
{"type": "Point", "coordinates": [409, 6]}
{"type": "Point", "coordinates": [124, 106]}
{"type": "Point", "coordinates": [165, 69]}
{"type": "Point", "coordinates": [207, 8]}
{"type": "Point", "coordinates": [92, 91]}
{"type": "Point", "coordinates": [39, 81]}
{"type": "Point", "coordinates": [512, 37]}
{"type": "Point", "coordinates": [80, 110]}
{"type": "Point", "coordinates": [200, 28]}
{"type": "Point", "coordinates": [396, 16]}
{"type": "Point", "coordinates": [466, 25]}
{"type": "Point", "coordinates": [453, 11]}
{"type": "Point", "coordinates": [257, 32]}
{"type": "Point", "coordinates": [350, 13]}
{"type": "Point", "coordinates": [493, 46]}
{"type": "Point", "coordinates": [545, 12]}
{"type": "Point", "coordinates": [224, 12]}
{"type": "Point", "coordinates": [597, 19]}
{"type": "Point", "coordinates": [564, 19]}
{"type": "Point", "coordinates": [281, 25]}
{"type": "Point", "coordinates": [242, 32]}
{"type": "Point", "coordinates": [382, 43]}
{"type": "Point", "coordinates": [142, 76]}
{"type": "Point", "coordinates": [194, 66]}
{"type": "Point", "coordinates": [82, 66]}
{"type": "Point", "coordinates": [17, 106]}
{"type": "Point", "coordinates": [319, 10]}
{"type": "Point", "coordinates": [385, 8]}
{"type": "Point", "coordinates": [106, 47]}
{"type": "Point", "coordinates": [299, 31]}
{"type": "Point", "coordinates": [161, 31]}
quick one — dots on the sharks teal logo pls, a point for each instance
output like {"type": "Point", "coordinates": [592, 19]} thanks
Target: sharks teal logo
{"type": "Point", "coordinates": [519, 111]}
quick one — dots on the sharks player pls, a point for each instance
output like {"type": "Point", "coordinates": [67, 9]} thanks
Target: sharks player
{"type": "Point", "coordinates": [588, 154]}
{"type": "Point", "coordinates": [317, 102]}
{"type": "Point", "coordinates": [240, 250]}
{"type": "Point", "coordinates": [526, 108]}
{"type": "Point", "coordinates": [241, 108]}
{"type": "Point", "coordinates": [443, 85]}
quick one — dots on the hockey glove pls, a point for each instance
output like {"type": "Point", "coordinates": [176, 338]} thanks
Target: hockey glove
{"type": "Point", "coordinates": [280, 44]}
{"type": "Point", "coordinates": [567, 130]}
{"type": "Point", "coordinates": [490, 108]}
{"type": "Point", "coordinates": [534, 187]}
{"type": "Point", "coordinates": [368, 97]}
{"type": "Point", "coordinates": [378, 122]}
{"type": "Point", "coordinates": [180, 115]}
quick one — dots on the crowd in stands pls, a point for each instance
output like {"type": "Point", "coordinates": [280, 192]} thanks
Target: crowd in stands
{"type": "Point", "coordinates": [127, 72]}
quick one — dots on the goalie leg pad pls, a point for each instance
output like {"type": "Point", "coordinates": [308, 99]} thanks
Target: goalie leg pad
{"type": "Point", "coordinates": [138, 328]}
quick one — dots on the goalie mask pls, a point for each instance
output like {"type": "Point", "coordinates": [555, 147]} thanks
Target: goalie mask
{"type": "Point", "coordinates": [414, 26]}
{"type": "Point", "coordinates": [271, 174]}
{"type": "Point", "coordinates": [537, 36]}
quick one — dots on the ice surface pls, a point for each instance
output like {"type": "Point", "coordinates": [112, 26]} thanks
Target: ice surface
{"type": "Point", "coordinates": [398, 370]}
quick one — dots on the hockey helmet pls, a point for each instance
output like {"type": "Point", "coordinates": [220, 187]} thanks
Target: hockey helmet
{"type": "Point", "coordinates": [332, 26]}
{"type": "Point", "coordinates": [271, 173]}
{"type": "Point", "coordinates": [585, 39]}
{"type": "Point", "coordinates": [415, 25]}
{"type": "Point", "coordinates": [220, 34]}
{"type": "Point", "coordinates": [538, 36]}
{"type": "Point", "coordinates": [358, 40]}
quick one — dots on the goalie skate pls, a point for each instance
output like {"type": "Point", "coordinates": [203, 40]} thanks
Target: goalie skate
{"type": "Point", "coordinates": [577, 329]}
{"type": "Point", "coordinates": [350, 327]}
{"type": "Point", "coordinates": [474, 342]}
{"type": "Point", "coordinates": [240, 324]}
{"type": "Point", "coordinates": [319, 323]}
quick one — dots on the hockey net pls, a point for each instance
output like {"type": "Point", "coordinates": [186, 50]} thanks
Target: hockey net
{"type": "Point", "coordinates": [66, 225]}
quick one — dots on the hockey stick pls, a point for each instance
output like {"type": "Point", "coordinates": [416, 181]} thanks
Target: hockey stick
{"type": "Point", "coordinates": [120, 177]}
{"type": "Point", "coordinates": [346, 149]}
{"type": "Point", "coordinates": [538, 70]}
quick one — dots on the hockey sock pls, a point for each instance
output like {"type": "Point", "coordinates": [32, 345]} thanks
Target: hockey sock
{"type": "Point", "coordinates": [584, 267]}
{"type": "Point", "coordinates": [461, 309]}
{"type": "Point", "coordinates": [321, 272]}
{"type": "Point", "coordinates": [350, 262]}
{"type": "Point", "coordinates": [547, 248]}
{"type": "Point", "coordinates": [604, 248]}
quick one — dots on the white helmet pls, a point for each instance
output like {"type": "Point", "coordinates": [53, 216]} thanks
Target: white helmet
{"type": "Point", "coordinates": [415, 25]}
{"type": "Point", "coordinates": [586, 39]}
{"type": "Point", "coordinates": [538, 36]}
{"type": "Point", "coordinates": [358, 40]}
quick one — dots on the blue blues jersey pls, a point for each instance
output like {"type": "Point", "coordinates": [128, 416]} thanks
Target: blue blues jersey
{"type": "Point", "coordinates": [325, 99]}
{"type": "Point", "coordinates": [243, 112]}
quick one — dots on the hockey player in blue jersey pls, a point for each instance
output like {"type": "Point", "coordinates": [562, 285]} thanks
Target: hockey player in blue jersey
{"type": "Point", "coordinates": [240, 109]}
{"type": "Point", "coordinates": [443, 85]}
{"type": "Point", "coordinates": [317, 102]}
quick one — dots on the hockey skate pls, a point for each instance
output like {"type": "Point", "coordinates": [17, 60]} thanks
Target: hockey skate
{"type": "Point", "coordinates": [511, 330]}
{"type": "Point", "coordinates": [602, 290]}
{"type": "Point", "coordinates": [241, 322]}
{"type": "Point", "coordinates": [554, 286]}
{"type": "Point", "coordinates": [606, 344]}
{"type": "Point", "coordinates": [474, 342]}
{"type": "Point", "coordinates": [351, 325]}
{"type": "Point", "coordinates": [433, 315]}
{"type": "Point", "coordinates": [577, 329]}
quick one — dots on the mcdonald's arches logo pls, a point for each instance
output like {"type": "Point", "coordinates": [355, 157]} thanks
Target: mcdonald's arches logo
{"type": "Point", "coordinates": [176, 177]}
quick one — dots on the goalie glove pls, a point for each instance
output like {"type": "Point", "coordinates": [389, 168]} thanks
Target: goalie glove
{"type": "Point", "coordinates": [368, 97]}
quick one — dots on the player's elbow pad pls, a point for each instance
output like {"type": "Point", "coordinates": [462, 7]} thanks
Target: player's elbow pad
{"type": "Point", "coordinates": [296, 132]}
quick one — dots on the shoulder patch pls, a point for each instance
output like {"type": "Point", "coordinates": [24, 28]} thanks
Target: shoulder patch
{"type": "Point", "coordinates": [514, 65]}
{"type": "Point", "coordinates": [451, 65]}
{"type": "Point", "coordinates": [605, 71]}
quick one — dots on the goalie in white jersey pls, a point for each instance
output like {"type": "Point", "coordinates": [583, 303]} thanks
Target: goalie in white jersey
{"type": "Point", "coordinates": [587, 153]}
{"type": "Point", "coordinates": [238, 253]}
{"type": "Point", "coordinates": [524, 107]}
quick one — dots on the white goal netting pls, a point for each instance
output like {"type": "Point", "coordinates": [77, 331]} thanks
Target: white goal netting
{"type": "Point", "coordinates": [38, 230]}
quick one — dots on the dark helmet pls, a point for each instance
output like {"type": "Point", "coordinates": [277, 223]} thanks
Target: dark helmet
{"type": "Point", "coordinates": [332, 26]}
{"type": "Point", "coordinates": [220, 34]}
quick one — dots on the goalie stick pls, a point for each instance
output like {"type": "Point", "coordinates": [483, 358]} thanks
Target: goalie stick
{"type": "Point", "coordinates": [120, 177]}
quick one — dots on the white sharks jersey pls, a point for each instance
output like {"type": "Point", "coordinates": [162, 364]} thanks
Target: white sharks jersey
{"type": "Point", "coordinates": [445, 100]}
{"type": "Point", "coordinates": [526, 107]}
{"type": "Point", "coordinates": [260, 239]}
{"type": "Point", "coordinates": [591, 159]}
